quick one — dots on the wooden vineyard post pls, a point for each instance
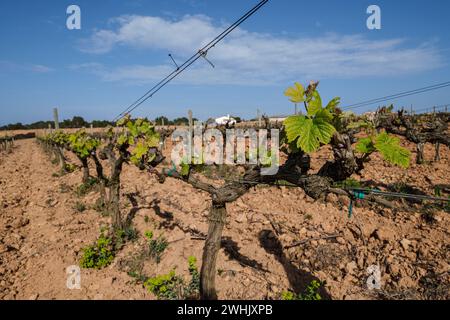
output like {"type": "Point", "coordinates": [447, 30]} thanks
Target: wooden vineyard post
{"type": "Point", "coordinates": [191, 131]}
{"type": "Point", "coordinates": [55, 117]}
{"type": "Point", "coordinates": [258, 114]}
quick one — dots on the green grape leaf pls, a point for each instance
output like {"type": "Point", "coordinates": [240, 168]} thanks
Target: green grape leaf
{"type": "Point", "coordinates": [310, 132]}
{"type": "Point", "coordinates": [295, 93]}
{"type": "Point", "coordinates": [390, 149]}
{"type": "Point", "coordinates": [314, 103]}
{"type": "Point", "coordinates": [138, 153]}
{"type": "Point", "coordinates": [358, 124]}
{"type": "Point", "coordinates": [185, 168]}
{"type": "Point", "coordinates": [324, 131]}
{"type": "Point", "coordinates": [365, 146]}
{"type": "Point", "coordinates": [122, 139]}
{"type": "Point", "coordinates": [293, 127]}
{"type": "Point", "coordinates": [153, 140]}
{"type": "Point", "coordinates": [333, 104]}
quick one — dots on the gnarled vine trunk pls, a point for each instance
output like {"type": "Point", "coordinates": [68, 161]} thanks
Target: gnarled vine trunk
{"type": "Point", "coordinates": [61, 159]}
{"type": "Point", "coordinates": [420, 153]}
{"type": "Point", "coordinates": [85, 167]}
{"type": "Point", "coordinates": [217, 219]}
{"type": "Point", "coordinates": [345, 163]}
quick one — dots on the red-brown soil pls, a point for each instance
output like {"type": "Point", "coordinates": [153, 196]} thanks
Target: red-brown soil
{"type": "Point", "coordinates": [41, 234]}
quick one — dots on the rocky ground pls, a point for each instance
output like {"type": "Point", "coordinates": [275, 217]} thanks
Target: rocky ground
{"type": "Point", "coordinates": [276, 238]}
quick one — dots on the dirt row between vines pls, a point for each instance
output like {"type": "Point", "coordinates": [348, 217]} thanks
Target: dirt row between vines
{"type": "Point", "coordinates": [42, 233]}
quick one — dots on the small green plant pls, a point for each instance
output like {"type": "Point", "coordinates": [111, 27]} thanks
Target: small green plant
{"type": "Point", "coordinates": [69, 167]}
{"type": "Point", "coordinates": [84, 188]}
{"type": "Point", "coordinates": [124, 235]}
{"type": "Point", "coordinates": [156, 246]}
{"type": "Point", "coordinates": [100, 206]}
{"type": "Point", "coordinates": [146, 219]}
{"type": "Point", "coordinates": [140, 278]}
{"type": "Point", "coordinates": [99, 255]}
{"type": "Point", "coordinates": [192, 290]}
{"type": "Point", "coordinates": [167, 286]}
{"type": "Point", "coordinates": [311, 292]}
{"type": "Point", "coordinates": [348, 183]}
{"type": "Point", "coordinates": [308, 216]}
{"type": "Point", "coordinates": [172, 287]}
{"type": "Point", "coordinates": [80, 206]}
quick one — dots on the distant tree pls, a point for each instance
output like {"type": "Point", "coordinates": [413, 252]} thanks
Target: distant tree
{"type": "Point", "coordinates": [79, 122]}
{"type": "Point", "coordinates": [101, 123]}
{"type": "Point", "coordinates": [159, 121]}
{"type": "Point", "coordinates": [181, 121]}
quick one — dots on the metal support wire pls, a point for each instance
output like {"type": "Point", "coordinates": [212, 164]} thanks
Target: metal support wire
{"type": "Point", "coordinates": [200, 53]}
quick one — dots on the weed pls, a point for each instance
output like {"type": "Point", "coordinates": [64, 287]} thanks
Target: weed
{"type": "Point", "coordinates": [80, 206]}
{"type": "Point", "coordinates": [172, 287]}
{"type": "Point", "coordinates": [146, 219]}
{"type": "Point", "coordinates": [100, 206]}
{"type": "Point", "coordinates": [69, 167]}
{"type": "Point", "coordinates": [308, 216]}
{"type": "Point", "coordinates": [156, 246]}
{"type": "Point", "coordinates": [311, 292]}
{"type": "Point", "coordinates": [140, 278]}
{"type": "Point", "coordinates": [347, 184]}
{"type": "Point", "coordinates": [167, 286]}
{"type": "Point", "coordinates": [84, 188]}
{"type": "Point", "coordinates": [124, 235]}
{"type": "Point", "coordinates": [192, 290]}
{"type": "Point", "coordinates": [99, 255]}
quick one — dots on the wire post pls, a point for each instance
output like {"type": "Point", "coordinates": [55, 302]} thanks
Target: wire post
{"type": "Point", "coordinates": [191, 131]}
{"type": "Point", "coordinates": [258, 115]}
{"type": "Point", "coordinates": [55, 118]}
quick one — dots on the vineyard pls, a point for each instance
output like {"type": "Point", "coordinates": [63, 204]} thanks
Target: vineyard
{"type": "Point", "coordinates": [351, 193]}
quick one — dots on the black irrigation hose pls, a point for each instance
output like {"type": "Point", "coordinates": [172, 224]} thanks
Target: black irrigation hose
{"type": "Point", "coordinates": [398, 195]}
{"type": "Point", "coordinates": [201, 53]}
{"type": "Point", "coordinates": [359, 190]}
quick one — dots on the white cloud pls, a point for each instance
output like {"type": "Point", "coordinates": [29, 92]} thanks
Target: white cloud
{"type": "Point", "coordinates": [8, 66]}
{"type": "Point", "coordinates": [253, 58]}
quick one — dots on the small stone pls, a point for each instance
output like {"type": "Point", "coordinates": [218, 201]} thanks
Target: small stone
{"type": "Point", "coordinates": [3, 248]}
{"type": "Point", "coordinates": [385, 234]}
{"type": "Point", "coordinates": [34, 297]}
{"type": "Point", "coordinates": [405, 244]}
{"type": "Point", "coordinates": [350, 267]}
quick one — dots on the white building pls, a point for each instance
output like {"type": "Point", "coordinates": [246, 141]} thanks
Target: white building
{"type": "Point", "coordinates": [225, 120]}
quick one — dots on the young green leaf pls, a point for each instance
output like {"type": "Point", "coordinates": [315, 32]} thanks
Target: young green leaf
{"type": "Point", "coordinates": [295, 93]}
{"type": "Point", "coordinates": [389, 147]}
{"type": "Point", "coordinates": [365, 146]}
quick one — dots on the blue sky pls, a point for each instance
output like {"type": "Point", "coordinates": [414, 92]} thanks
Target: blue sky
{"type": "Point", "coordinates": [122, 50]}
